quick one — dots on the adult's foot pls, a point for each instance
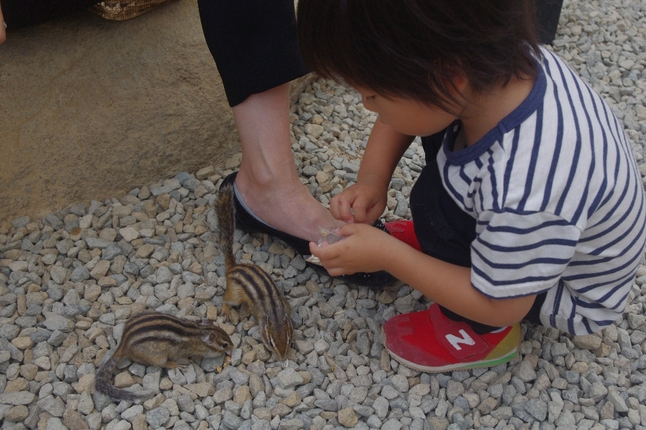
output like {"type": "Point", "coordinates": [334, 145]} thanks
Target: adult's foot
{"type": "Point", "coordinates": [285, 205]}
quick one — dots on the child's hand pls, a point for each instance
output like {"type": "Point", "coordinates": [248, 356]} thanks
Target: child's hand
{"type": "Point", "coordinates": [362, 250]}
{"type": "Point", "coordinates": [362, 202]}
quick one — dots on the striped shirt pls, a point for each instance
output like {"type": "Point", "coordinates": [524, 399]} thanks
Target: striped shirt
{"type": "Point", "coordinates": [558, 200]}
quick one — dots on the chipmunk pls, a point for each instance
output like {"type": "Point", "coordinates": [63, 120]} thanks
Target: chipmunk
{"type": "Point", "coordinates": [249, 284]}
{"type": "Point", "coordinates": [156, 339]}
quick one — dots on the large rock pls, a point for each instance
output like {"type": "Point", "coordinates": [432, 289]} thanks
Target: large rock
{"type": "Point", "coordinates": [91, 108]}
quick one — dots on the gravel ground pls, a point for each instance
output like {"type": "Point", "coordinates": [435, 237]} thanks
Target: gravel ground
{"type": "Point", "coordinates": [69, 281]}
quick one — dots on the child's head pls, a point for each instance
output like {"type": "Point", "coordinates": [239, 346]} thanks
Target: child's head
{"type": "Point", "coordinates": [414, 48]}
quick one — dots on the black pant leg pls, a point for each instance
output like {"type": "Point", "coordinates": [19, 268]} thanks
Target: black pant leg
{"type": "Point", "coordinates": [254, 44]}
{"type": "Point", "coordinates": [443, 229]}
{"type": "Point", "coordinates": [548, 13]}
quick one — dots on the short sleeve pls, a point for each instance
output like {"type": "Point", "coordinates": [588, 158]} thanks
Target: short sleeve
{"type": "Point", "coordinates": [517, 254]}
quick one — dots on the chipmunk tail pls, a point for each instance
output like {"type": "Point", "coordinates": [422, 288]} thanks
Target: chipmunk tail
{"type": "Point", "coordinates": [104, 385]}
{"type": "Point", "coordinates": [226, 210]}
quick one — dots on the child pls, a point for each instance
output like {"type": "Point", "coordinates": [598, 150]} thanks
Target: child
{"type": "Point", "coordinates": [530, 206]}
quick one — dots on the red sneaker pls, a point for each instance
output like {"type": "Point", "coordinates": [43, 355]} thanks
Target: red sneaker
{"type": "Point", "coordinates": [404, 231]}
{"type": "Point", "coordinates": [430, 342]}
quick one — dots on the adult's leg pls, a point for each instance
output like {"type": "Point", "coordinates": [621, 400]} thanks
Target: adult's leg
{"type": "Point", "coordinates": [255, 48]}
{"type": "Point", "coordinates": [268, 180]}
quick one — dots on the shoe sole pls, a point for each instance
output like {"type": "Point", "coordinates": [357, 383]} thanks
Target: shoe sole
{"type": "Point", "coordinates": [452, 367]}
{"type": "Point", "coordinates": [458, 366]}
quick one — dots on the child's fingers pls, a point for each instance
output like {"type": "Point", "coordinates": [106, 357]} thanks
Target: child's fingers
{"type": "Point", "coordinates": [341, 208]}
{"type": "Point", "coordinates": [340, 258]}
{"type": "Point", "coordinates": [322, 252]}
{"type": "Point", "coordinates": [346, 229]}
{"type": "Point", "coordinates": [328, 258]}
{"type": "Point", "coordinates": [366, 210]}
{"type": "Point", "coordinates": [358, 210]}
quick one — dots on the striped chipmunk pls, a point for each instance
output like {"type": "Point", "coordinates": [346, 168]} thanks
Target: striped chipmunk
{"type": "Point", "coordinates": [249, 285]}
{"type": "Point", "coordinates": [156, 339]}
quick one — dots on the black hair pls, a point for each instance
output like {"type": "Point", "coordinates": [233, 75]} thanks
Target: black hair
{"type": "Point", "coordinates": [412, 48]}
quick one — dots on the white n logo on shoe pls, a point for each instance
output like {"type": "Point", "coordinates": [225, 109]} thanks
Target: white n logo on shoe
{"type": "Point", "coordinates": [455, 341]}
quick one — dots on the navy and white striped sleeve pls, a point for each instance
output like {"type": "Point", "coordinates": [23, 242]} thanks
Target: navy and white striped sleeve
{"type": "Point", "coordinates": [519, 254]}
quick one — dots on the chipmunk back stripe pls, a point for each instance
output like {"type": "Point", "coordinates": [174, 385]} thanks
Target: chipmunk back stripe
{"type": "Point", "coordinates": [261, 288]}
{"type": "Point", "coordinates": [254, 276]}
{"type": "Point", "coordinates": [177, 330]}
{"type": "Point", "coordinates": [146, 319]}
{"type": "Point", "coordinates": [154, 338]}
{"type": "Point", "coordinates": [151, 319]}
{"type": "Point", "coordinates": [143, 326]}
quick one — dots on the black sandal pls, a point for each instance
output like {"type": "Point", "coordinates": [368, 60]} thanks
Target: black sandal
{"type": "Point", "coordinates": [246, 222]}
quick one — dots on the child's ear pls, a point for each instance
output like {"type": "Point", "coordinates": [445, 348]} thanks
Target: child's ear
{"type": "Point", "coordinates": [458, 81]}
